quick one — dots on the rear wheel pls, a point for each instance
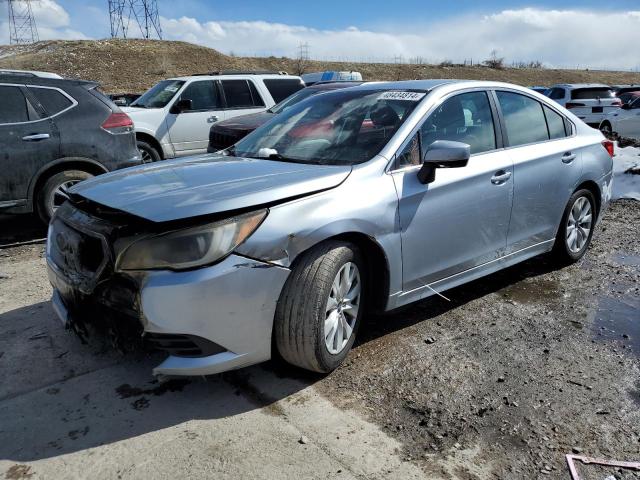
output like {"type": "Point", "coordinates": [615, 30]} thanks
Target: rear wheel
{"type": "Point", "coordinates": [148, 153]}
{"type": "Point", "coordinates": [54, 192]}
{"type": "Point", "coordinates": [321, 306]}
{"type": "Point", "coordinates": [576, 230]}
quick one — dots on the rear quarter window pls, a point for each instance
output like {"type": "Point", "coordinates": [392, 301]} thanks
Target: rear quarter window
{"type": "Point", "coordinates": [556, 124]}
{"type": "Point", "coordinates": [241, 94]}
{"type": "Point", "coordinates": [51, 100]}
{"type": "Point", "coordinates": [589, 93]}
{"type": "Point", "coordinates": [281, 88]}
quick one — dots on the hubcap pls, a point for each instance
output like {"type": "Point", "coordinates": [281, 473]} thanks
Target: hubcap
{"type": "Point", "coordinates": [579, 225]}
{"type": "Point", "coordinates": [61, 194]}
{"type": "Point", "coordinates": [342, 308]}
{"type": "Point", "coordinates": [146, 156]}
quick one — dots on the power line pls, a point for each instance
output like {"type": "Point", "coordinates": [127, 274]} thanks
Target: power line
{"type": "Point", "coordinates": [143, 13]}
{"type": "Point", "coordinates": [22, 23]}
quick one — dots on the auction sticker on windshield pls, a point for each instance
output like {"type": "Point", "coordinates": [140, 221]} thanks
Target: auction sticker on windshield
{"type": "Point", "coordinates": [408, 96]}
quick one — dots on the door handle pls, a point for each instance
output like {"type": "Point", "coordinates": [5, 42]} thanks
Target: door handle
{"type": "Point", "coordinates": [36, 137]}
{"type": "Point", "coordinates": [568, 157]}
{"type": "Point", "coordinates": [500, 177]}
{"type": "Point", "coordinates": [212, 119]}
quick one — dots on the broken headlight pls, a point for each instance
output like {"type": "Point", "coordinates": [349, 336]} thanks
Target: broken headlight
{"type": "Point", "coordinates": [192, 247]}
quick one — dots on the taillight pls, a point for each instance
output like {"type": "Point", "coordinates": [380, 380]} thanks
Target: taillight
{"type": "Point", "coordinates": [118, 123]}
{"type": "Point", "coordinates": [571, 105]}
{"type": "Point", "coordinates": [617, 103]}
{"type": "Point", "coordinates": [608, 146]}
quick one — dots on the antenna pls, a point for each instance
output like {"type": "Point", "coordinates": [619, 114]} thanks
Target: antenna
{"type": "Point", "coordinates": [143, 12]}
{"type": "Point", "coordinates": [22, 23]}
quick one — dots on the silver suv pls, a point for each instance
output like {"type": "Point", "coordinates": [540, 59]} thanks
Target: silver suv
{"type": "Point", "coordinates": [360, 199]}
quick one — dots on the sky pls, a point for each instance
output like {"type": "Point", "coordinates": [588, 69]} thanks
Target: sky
{"type": "Point", "coordinates": [584, 34]}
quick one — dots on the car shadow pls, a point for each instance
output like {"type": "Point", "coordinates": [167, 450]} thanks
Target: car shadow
{"type": "Point", "coordinates": [21, 228]}
{"type": "Point", "coordinates": [60, 396]}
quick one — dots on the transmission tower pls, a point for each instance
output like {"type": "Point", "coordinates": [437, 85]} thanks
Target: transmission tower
{"type": "Point", "coordinates": [22, 23]}
{"type": "Point", "coordinates": [141, 13]}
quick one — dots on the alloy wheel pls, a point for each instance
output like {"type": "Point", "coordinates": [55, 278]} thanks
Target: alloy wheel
{"type": "Point", "coordinates": [579, 225]}
{"type": "Point", "coordinates": [342, 308]}
{"type": "Point", "coordinates": [61, 194]}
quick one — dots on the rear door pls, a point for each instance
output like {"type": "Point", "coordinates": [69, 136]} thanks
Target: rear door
{"type": "Point", "coordinates": [29, 141]}
{"type": "Point", "coordinates": [241, 97]}
{"type": "Point", "coordinates": [189, 130]}
{"type": "Point", "coordinates": [547, 166]}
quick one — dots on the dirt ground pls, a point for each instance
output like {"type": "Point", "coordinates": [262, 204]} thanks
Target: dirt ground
{"type": "Point", "coordinates": [517, 370]}
{"type": "Point", "coordinates": [136, 65]}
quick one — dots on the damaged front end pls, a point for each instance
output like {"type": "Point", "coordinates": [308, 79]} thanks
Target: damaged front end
{"type": "Point", "coordinates": [134, 282]}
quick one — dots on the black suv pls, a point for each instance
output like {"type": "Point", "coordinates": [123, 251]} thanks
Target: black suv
{"type": "Point", "coordinates": [55, 133]}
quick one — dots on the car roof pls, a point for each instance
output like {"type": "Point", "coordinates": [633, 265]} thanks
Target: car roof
{"type": "Point", "coordinates": [29, 73]}
{"type": "Point", "coordinates": [238, 76]}
{"type": "Point", "coordinates": [334, 85]}
{"type": "Point", "coordinates": [46, 82]}
{"type": "Point", "coordinates": [582, 85]}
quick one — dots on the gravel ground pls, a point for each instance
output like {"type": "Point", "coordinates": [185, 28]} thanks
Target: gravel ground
{"type": "Point", "coordinates": [517, 370]}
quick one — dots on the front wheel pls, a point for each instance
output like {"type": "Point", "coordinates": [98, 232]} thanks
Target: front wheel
{"type": "Point", "coordinates": [54, 192]}
{"type": "Point", "coordinates": [321, 306]}
{"type": "Point", "coordinates": [576, 229]}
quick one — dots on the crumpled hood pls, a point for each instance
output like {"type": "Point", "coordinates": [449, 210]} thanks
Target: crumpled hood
{"type": "Point", "coordinates": [206, 184]}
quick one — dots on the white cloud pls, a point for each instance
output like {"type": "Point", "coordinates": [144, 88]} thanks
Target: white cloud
{"type": "Point", "coordinates": [556, 37]}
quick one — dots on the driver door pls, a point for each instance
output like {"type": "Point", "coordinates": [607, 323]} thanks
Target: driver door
{"type": "Point", "coordinates": [461, 219]}
{"type": "Point", "coordinates": [189, 129]}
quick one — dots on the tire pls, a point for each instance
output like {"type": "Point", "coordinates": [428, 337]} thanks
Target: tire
{"type": "Point", "coordinates": [52, 194]}
{"type": "Point", "coordinates": [148, 152]}
{"type": "Point", "coordinates": [571, 242]}
{"type": "Point", "coordinates": [302, 310]}
{"type": "Point", "coordinates": [606, 129]}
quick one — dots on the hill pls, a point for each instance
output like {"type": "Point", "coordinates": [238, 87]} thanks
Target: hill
{"type": "Point", "coordinates": [135, 65]}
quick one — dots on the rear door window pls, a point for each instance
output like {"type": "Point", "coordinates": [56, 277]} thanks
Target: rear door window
{"type": "Point", "coordinates": [555, 123]}
{"type": "Point", "coordinates": [590, 93]}
{"type": "Point", "coordinates": [241, 94]}
{"type": "Point", "coordinates": [52, 100]}
{"type": "Point", "coordinates": [524, 119]}
{"type": "Point", "coordinates": [281, 88]}
{"type": "Point", "coordinates": [13, 105]}
{"type": "Point", "coordinates": [203, 96]}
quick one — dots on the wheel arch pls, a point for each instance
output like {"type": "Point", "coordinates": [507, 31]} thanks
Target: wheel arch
{"type": "Point", "coordinates": [595, 191]}
{"type": "Point", "coordinates": [72, 163]}
{"type": "Point", "coordinates": [151, 140]}
{"type": "Point", "coordinates": [376, 261]}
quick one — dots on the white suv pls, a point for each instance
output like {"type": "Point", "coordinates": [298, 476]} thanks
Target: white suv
{"type": "Point", "coordinates": [173, 118]}
{"type": "Point", "coordinates": [590, 102]}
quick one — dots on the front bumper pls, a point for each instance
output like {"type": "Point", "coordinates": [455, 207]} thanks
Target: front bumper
{"type": "Point", "coordinates": [231, 304]}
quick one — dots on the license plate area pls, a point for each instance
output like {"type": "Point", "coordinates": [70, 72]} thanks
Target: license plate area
{"type": "Point", "coordinates": [597, 110]}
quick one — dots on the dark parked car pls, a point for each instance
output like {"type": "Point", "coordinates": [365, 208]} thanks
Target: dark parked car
{"type": "Point", "coordinates": [224, 134]}
{"type": "Point", "coordinates": [55, 133]}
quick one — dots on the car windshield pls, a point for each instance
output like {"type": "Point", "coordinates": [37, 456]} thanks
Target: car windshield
{"type": "Point", "coordinates": [159, 95]}
{"type": "Point", "coordinates": [293, 99]}
{"type": "Point", "coordinates": [344, 127]}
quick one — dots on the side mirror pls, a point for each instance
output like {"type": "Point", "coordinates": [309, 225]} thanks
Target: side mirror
{"type": "Point", "coordinates": [182, 105]}
{"type": "Point", "coordinates": [626, 106]}
{"type": "Point", "coordinates": [443, 154]}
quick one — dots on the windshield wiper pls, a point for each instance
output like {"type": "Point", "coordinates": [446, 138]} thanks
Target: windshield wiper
{"type": "Point", "coordinates": [282, 158]}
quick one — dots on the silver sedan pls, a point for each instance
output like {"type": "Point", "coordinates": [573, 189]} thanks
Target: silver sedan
{"type": "Point", "coordinates": [362, 199]}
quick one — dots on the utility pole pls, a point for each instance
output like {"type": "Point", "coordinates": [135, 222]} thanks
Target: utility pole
{"type": "Point", "coordinates": [144, 13]}
{"type": "Point", "coordinates": [22, 23]}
